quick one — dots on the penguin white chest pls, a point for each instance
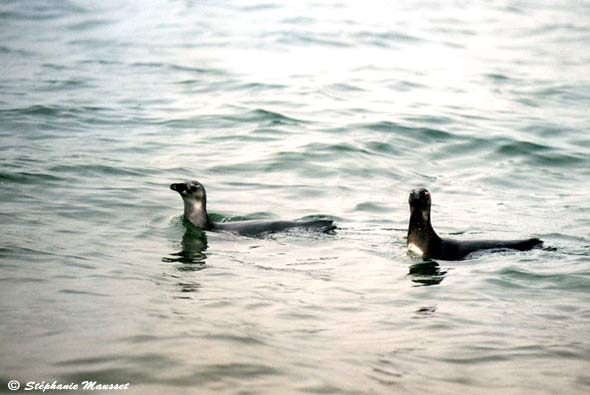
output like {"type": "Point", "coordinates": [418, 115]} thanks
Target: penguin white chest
{"type": "Point", "coordinates": [414, 249]}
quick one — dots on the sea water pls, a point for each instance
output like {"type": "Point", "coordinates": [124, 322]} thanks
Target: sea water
{"type": "Point", "coordinates": [309, 109]}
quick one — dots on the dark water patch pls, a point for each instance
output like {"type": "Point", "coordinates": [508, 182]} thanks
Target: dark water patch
{"type": "Point", "coordinates": [537, 154]}
{"type": "Point", "coordinates": [568, 237]}
{"type": "Point", "coordinates": [407, 86]}
{"type": "Point", "coordinates": [90, 24]}
{"type": "Point", "coordinates": [346, 87]}
{"type": "Point", "coordinates": [29, 178]}
{"type": "Point", "coordinates": [100, 170]}
{"type": "Point", "coordinates": [62, 85]}
{"type": "Point", "coordinates": [235, 339]}
{"type": "Point", "coordinates": [331, 149]}
{"type": "Point", "coordinates": [31, 255]}
{"type": "Point", "coordinates": [189, 263]}
{"type": "Point", "coordinates": [266, 117]}
{"type": "Point", "coordinates": [566, 93]}
{"type": "Point", "coordinates": [55, 66]}
{"type": "Point", "coordinates": [383, 148]}
{"type": "Point", "coordinates": [140, 339]}
{"type": "Point", "coordinates": [15, 51]}
{"type": "Point", "coordinates": [485, 358]}
{"type": "Point", "coordinates": [511, 148]}
{"type": "Point", "coordinates": [174, 69]}
{"type": "Point", "coordinates": [528, 101]}
{"type": "Point", "coordinates": [546, 129]}
{"type": "Point", "coordinates": [259, 7]}
{"type": "Point", "coordinates": [190, 81]}
{"type": "Point", "coordinates": [39, 11]}
{"type": "Point", "coordinates": [96, 43]}
{"type": "Point", "coordinates": [196, 70]}
{"type": "Point", "coordinates": [430, 119]}
{"type": "Point", "coordinates": [62, 116]}
{"type": "Point", "coordinates": [561, 160]}
{"type": "Point", "coordinates": [422, 134]}
{"type": "Point", "coordinates": [307, 39]}
{"type": "Point", "coordinates": [387, 39]}
{"type": "Point", "coordinates": [326, 389]}
{"type": "Point", "coordinates": [520, 278]}
{"type": "Point", "coordinates": [22, 280]}
{"type": "Point", "coordinates": [34, 110]}
{"type": "Point", "coordinates": [498, 78]}
{"type": "Point", "coordinates": [427, 273]}
{"type": "Point", "coordinates": [253, 87]}
{"type": "Point", "coordinates": [101, 62]}
{"type": "Point", "coordinates": [188, 287]}
{"type": "Point", "coordinates": [198, 84]}
{"type": "Point", "coordinates": [77, 292]}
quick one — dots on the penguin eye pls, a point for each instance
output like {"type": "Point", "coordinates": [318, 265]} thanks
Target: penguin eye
{"type": "Point", "coordinates": [192, 188]}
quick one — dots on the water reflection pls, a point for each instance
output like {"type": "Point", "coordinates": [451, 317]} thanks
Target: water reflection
{"type": "Point", "coordinates": [192, 255]}
{"type": "Point", "coordinates": [427, 273]}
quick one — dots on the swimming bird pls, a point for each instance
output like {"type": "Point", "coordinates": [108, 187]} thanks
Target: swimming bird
{"type": "Point", "coordinates": [423, 240]}
{"type": "Point", "coordinates": [194, 196]}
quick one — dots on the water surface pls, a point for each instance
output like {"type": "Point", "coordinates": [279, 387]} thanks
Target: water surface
{"type": "Point", "coordinates": [322, 108]}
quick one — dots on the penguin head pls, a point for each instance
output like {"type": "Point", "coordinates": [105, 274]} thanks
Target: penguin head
{"type": "Point", "coordinates": [191, 190]}
{"type": "Point", "coordinates": [420, 199]}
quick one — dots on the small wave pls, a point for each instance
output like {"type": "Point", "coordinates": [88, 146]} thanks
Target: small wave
{"type": "Point", "coordinates": [82, 292]}
{"type": "Point", "coordinates": [42, 12]}
{"type": "Point", "coordinates": [29, 178]}
{"type": "Point", "coordinates": [386, 39]}
{"type": "Point", "coordinates": [269, 118]}
{"type": "Point", "coordinates": [259, 7]}
{"type": "Point", "coordinates": [382, 148]}
{"type": "Point", "coordinates": [53, 111]}
{"type": "Point", "coordinates": [34, 110]}
{"type": "Point", "coordinates": [415, 133]}
{"type": "Point", "coordinates": [178, 67]}
{"type": "Point", "coordinates": [513, 277]}
{"type": "Point", "coordinates": [90, 24]}
{"type": "Point", "coordinates": [538, 154]}
{"type": "Point", "coordinates": [524, 148]}
{"type": "Point", "coordinates": [309, 39]}
{"type": "Point", "coordinates": [499, 78]}
{"type": "Point", "coordinates": [13, 51]}
{"type": "Point", "coordinates": [87, 170]}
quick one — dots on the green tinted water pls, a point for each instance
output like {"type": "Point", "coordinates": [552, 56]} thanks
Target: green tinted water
{"type": "Point", "coordinates": [289, 111]}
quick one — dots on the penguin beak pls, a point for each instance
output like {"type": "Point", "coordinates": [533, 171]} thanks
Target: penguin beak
{"type": "Point", "coordinates": [180, 187]}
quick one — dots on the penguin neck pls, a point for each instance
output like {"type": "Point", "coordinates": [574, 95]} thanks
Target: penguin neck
{"type": "Point", "coordinates": [422, 238]}
{"type": "Point", "coordinates": [196, 213]}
